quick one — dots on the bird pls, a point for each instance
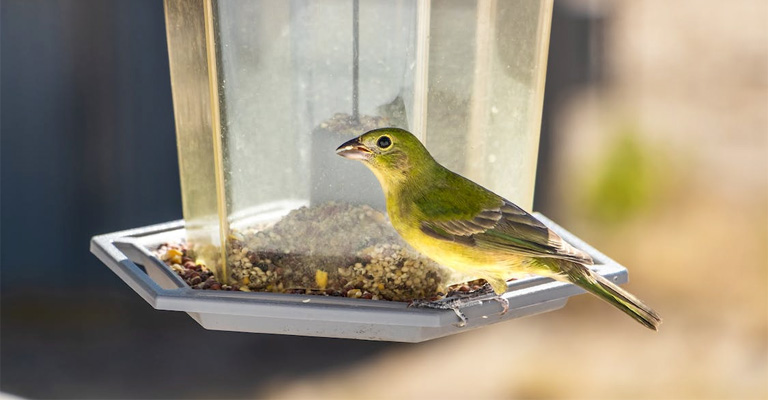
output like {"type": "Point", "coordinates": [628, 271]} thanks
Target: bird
{"type": "Point", "coordinates": [468, 228]}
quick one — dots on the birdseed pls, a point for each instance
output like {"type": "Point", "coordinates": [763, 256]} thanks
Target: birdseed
{"type": "Point", "coordinates": [334, 249]}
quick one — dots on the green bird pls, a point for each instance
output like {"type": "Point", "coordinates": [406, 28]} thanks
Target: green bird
{"type": "Point", "coordinates": [470, 229]}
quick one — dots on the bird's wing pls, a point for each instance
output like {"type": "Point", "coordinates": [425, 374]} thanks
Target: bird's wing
{"type": "Point", "coordinates": [503, 227]}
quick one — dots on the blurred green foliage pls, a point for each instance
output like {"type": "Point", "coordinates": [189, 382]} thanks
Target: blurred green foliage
{"type": "Point", "coordinates": [626, 181]}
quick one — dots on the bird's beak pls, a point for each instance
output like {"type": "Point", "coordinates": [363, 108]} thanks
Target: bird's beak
{"type": "Point", "coordinates": [354, 150]}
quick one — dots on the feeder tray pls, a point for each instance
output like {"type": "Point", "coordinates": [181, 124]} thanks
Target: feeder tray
{"type": "Point", "coordinates": [126, 252]}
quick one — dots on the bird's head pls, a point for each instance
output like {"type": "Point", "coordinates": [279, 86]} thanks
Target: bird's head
{"type": "Point", "coordinates": [391, 153]}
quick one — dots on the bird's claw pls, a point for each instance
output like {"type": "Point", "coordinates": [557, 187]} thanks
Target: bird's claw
{"type": "Point", "coordinates": [444, 304]}
{"type": "Point", "coordinates": [488, 289]}
{"type": "Point", "coordinates": [504, 304]}
{"type": "Point", "coordinates": [457, 301]}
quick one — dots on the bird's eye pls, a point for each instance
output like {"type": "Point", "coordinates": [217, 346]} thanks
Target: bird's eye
{"type": "Point", "coordinates": [384, 142]}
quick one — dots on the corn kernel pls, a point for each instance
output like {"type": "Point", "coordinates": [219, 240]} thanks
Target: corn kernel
{"type": "Point", "coordinates": [174, 255]}
{"type": "Point", "coordinates": [321, 279]}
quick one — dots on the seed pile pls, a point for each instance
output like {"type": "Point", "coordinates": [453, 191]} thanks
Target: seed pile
{"type": "Point", "coordinates": [333, 249]}
{"type": "Point", "coordinates": [345, 125]}
{"type": "Point", "coordinates": [181, 260]}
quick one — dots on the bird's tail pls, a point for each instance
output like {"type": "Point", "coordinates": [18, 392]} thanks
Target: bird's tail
{"type": "Point", "coordinates": [604, 289]}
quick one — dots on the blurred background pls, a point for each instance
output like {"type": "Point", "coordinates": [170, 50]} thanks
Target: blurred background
{"type": "Point", "coordinates": [654, 150]}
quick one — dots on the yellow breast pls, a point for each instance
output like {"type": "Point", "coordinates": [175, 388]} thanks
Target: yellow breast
{"type": "Point", "coordinates": [460, 257]}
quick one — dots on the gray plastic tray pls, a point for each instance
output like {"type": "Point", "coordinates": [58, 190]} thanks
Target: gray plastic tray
{"type": "Point", "coordinates": [309, 315]}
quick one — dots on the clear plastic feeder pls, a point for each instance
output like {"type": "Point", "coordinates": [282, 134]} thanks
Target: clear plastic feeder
{"type": "Point", "coordinates": [264, 91]}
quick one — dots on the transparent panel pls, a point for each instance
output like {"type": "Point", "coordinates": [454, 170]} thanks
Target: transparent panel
{"type": "Point", "coordinates": [487, 64]}
{"type": "Point", "coordinates": [262, 143]}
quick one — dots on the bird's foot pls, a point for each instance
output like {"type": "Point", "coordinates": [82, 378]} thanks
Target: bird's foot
{"type": "Point", "coordinates": [460, 299]}
{"type": "Point", "coordinates": [487, 289]}
{"type": "Point", "coordinates": [444, 304]}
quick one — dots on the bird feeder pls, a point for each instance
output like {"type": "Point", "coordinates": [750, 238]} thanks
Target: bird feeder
{"type": "Point", "coordinates": [280, 235]}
